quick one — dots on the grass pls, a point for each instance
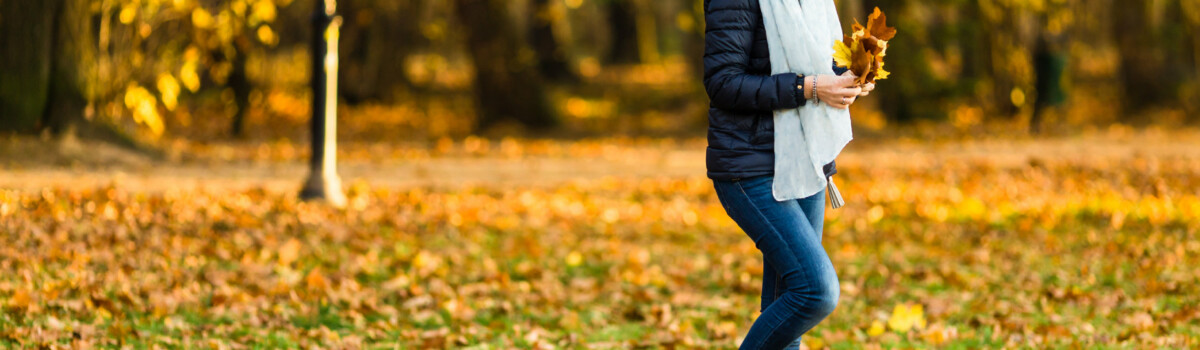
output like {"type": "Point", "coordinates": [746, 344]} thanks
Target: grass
{"type": "Point", "coordinates": [1034, 247]}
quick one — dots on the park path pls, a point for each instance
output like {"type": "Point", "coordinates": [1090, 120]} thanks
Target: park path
{"type": "Point", "coordinates": [23, 174]}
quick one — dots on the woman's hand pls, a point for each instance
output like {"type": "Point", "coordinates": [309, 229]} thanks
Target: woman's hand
{"type": "Point", "coordinates": [866, 88]}
{"type": "Point", "coordinates": [837, 91]}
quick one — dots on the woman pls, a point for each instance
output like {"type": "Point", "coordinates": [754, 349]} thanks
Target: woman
{"type": "Point", "coordinates": [800, 287]}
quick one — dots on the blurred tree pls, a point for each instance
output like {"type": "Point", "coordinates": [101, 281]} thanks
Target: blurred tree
{"type": "Point", "coordinates": [180, 46]}
{"type": "Point", "coordinates": [692, 24]}
{"type": "Point", "coordinates": [1050, 65]}
{"type": "Point", "coordinates": [1138, 62]}
{"type": "Point", "coordinates": [240, 84]}
{"type": "Point", "coordinates": [50, 52]}
{"type": "Point", "coordinates": [552, 58]}
{"type": "Point", "coordinates": [377, 39]}
{"type": "Point", "coordinates": [73, 67]}
{"type": "Point", "coordinates": [1191, 96]}
{"type": "Point", "coordinates": [623, 26]}
{"type": "Point", "coordinates": [1145, 58]}
{"type": "Point", "coordinates": [25, 41]}
{"type": "Point", "coordinates": [507, 86]}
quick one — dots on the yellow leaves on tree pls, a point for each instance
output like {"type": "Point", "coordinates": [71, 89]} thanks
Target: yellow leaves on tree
{"type": "Point", "coordinates": [863, 50]}
{"type": "Point", "coordinates": [201, 18]}
{"type": "Point", "coordinates": [189, 74]}
{"type": "Point", "coordinates": [144, 107]}
{"type": "Point", "coordinates": [169, 88]}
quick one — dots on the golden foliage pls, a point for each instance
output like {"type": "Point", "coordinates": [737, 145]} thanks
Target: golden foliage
{"type": "Point", "coordinates": [863, 50]}
{"type": "Point", "coordinates": [932, 250]}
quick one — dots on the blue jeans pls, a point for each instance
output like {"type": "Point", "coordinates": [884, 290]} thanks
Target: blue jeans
{"type": "Point", "coordinates": [800, 287]}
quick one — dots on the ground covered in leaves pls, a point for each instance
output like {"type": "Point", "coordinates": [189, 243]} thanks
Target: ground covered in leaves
{"type": "Point", "coordinates": [935, 249]}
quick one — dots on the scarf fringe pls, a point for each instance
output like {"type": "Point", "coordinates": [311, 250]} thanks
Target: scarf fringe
{"type": "Point", "coordinates": [835, 196]}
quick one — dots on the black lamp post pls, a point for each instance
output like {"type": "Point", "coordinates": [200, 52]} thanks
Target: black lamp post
{"type": "Point", "coordinates": [323, 182]}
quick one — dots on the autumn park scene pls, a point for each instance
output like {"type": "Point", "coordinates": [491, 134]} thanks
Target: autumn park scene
{"type": "Point", "coordinates": [545, 174]}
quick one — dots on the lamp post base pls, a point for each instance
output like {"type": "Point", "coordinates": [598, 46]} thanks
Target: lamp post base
{"type": "Point", "coordinates": [324, 187]}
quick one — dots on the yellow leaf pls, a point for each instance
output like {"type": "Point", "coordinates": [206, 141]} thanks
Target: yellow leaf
{"type": "Point", "coordinates": [841, 54]}
{"type": "Point", "coordinates": [263, 10]}
{"type": "Point", "coordinates": [876, 329]}
{"type": "Point", "coordinates": [898, 321]}
{"type": "Point", "coordinates": [905, 317]}
{"type": "Point", "coordinates": [267, 36]}
{"type": "Point", "coordinates": [238, 7]}
{"type": "Point", "coordinates": [202, 19]}
{"type": "Point", "coordinates": [814, 343]}
{"type": "Point", "coordinates": [189, 76]}
{"type": "Point", "coordinates": [144, 107]}
{"type": "Point", "coordinates": [574, 259]}
{"type": "Point", "coordinates": [169, 89]}
{"type": "Point", "coordinates": [881, 74]}
{"type": "Point", "coordinates": [128, 14]}
{"type": "Point", "coordinates": [918, 314]}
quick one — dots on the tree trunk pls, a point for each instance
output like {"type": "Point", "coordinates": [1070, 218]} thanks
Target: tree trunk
{"type": "Point", "coordinates": [693, 44]}
{"type": "Point", "coordinates": [1143, 82]}
{"type": "Point", "coordinates": [623, 26]}
{"type": "Point", "coordinates": [73, 60]}
{"type": "Point", "coordinates": [240, 83]}
{"type": "Point", "coordinates": [972, 41]}
{"type": "Point", "coordinates": [1001, 40]}
{"type": "Point", "coordinates": [377, 39]}
{"type": "Point", "coordinates": [552, 59]}
{"type": "Point", "coordinates": [507, 88]}
{"type": "Point", "coordinates": [26, 37]}
{"type": "Point", "coordinates": [1050, 65]}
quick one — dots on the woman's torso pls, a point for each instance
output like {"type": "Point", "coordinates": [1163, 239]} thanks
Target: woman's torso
{"type": "Point", "coordinates": [741, 144]}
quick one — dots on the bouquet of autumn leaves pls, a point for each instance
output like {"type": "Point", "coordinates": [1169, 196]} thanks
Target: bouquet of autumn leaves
{"type": "Point", "coordinates": [862, 51]}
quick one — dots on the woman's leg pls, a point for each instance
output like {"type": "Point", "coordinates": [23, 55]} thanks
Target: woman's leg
{"type": "Point", "coordinates": [782, 231]}
{"type": "Point", "coordinates": [772, 289]}
{"type": "Point", "coordinates": [773, 285]}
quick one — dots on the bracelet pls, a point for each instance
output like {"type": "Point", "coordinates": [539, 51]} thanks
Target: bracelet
{"type": "Point", "coordinates": [814, 91]}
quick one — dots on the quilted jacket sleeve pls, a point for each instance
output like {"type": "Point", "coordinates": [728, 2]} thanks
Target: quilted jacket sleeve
{"type": "Point", "coordinates": [839, 70]}
{"type": "Point", "coordinates": [728, 40]}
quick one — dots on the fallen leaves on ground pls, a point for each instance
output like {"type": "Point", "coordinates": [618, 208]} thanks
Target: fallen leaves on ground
{"type": "Point", "coordinates": [1058, 253]}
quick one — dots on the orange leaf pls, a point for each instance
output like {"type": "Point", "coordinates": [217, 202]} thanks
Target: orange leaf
{"type": "Point", "coordinates": [860, 63]}
{"type": "Point", "coordinates": [877, 26]}
{"type": "Point", "coordinates": [289, 252]}
{"type": "Point", "coordinates": [316, 280]}
{"type": "Point", "coordinates": [21, 299]}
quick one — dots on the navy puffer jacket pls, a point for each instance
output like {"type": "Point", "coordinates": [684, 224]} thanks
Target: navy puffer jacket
{"type": "Point", "coordinates": [742, 91]}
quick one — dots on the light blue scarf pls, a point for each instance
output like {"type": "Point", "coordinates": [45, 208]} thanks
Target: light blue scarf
{"type": "Point", "coordinates": [800, 36]}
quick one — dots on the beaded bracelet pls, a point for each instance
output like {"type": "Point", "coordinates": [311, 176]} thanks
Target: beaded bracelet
{"type": "Point", "coordinates": [814, 92]}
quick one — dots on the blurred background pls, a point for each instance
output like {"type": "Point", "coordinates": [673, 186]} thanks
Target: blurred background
{"type": "Point", "coordinates": [530, 174]}
{"type": "Point", "coordinates": [153, 70]}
